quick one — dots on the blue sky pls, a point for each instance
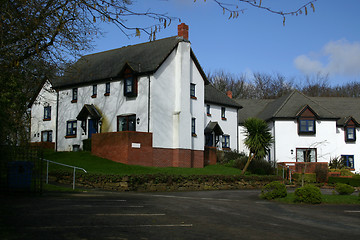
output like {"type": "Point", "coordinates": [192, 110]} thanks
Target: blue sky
{"type": "Point", "coordinates": [326, 41]}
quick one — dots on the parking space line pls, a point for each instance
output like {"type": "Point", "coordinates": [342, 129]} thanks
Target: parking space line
{"type": "Point", "coordinates": [112, 226]}
{"type": "Point", "coordinates": [351, 211]}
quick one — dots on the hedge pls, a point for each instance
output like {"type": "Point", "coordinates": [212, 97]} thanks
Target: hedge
{"type": "Point", "coordinates": [355, 182]}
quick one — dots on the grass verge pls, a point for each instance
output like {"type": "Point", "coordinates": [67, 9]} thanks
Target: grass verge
{"type": "Point", "coordinates": [97, 165]}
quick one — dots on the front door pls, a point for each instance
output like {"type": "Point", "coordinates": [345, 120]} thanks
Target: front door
{"type": "Point", "coordinates": [92, 126]}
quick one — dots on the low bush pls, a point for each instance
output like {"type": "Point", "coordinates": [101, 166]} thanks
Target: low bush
{"type": "Point", "coordinates": [256, 166]}
{"type": "Point", "coordinates": [308, 194]}
{"type": "Point", "coordinates": [274, 190]}
{"type": "Point", "coordinates": [87, 144]}
{"type": "Point", "coordinates": [344, 189]}
{"type": "Point", "coordinates": [354, 181]}
{"type": "Point", "coordinates": [308, 178]}
{"type": "Point", "coordinates": [321, 172]}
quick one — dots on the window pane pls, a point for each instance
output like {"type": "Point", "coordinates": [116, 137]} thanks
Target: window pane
{"type": "Point", "coordinates": [107, 90]}
{"type": "Point", "coordinates": [122, 124]}
{"type": "Point", "coordinates": [128, 85]}
{"type": "Point", "coordinates": [310, 125]}
{"type": "Point", "coordinates": [44, 136]}
{"type": "Point", "coordinates": [50, 136]}
{"type": "Point", "coordinates": [132, 123]}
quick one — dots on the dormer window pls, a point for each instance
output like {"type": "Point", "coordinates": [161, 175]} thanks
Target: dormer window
{"type": "Point", "coordinates": [94, 91]}
{"type": "Point", "coordinates": [130, 83]}
{"type": "Point", "coordinates": [350, 134]}
{"type": "Point", "coordinates": [307, 126]}
{"type": "Point", "coordinates": [307, 121]}
{"type": "Point", "coordinates": [74, 95]}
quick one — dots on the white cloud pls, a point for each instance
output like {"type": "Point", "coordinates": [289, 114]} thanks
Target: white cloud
{"type": "Point", "coordinates": [342, 58]}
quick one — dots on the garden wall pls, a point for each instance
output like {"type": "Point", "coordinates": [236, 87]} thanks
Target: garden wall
{"type": "Point", "coordinates": [160, 182]}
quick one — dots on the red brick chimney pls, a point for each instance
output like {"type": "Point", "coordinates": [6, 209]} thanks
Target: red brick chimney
{"type": "Point", "coordinates": [229, 94]}
{"type": "Point", "coordinates": [183, 31]}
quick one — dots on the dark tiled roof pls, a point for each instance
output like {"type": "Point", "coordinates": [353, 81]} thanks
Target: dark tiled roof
{"type": "Point", "coordinates": [142, 58]}
{"type": "Point", "coordinates": [213, 95]}
{"type": "Point", "coordinates": [88, 110]}
{"type": "Point", "coordinates": [289, 106]}
{"type": "Point", "coordinates": [343, 107]}
{"type": "Point", "coordinates": [251, 107]}
{"type": "Point", "coordinates": [213, 127]}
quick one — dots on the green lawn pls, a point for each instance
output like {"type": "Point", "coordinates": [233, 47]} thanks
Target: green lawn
{"type": "Point", "coordinates": [97, 165]}
{"type": "Point", "coordinates": [327, 198]}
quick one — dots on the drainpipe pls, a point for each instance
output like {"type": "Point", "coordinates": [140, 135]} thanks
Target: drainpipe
{"type": "Point", "coordinates": [57, 120]}
{"type": "Point", "coordinates": [149, 104]}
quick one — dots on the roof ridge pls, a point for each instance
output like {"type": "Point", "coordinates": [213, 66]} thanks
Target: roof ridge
{"type": "Point", "coordinates": [235, 102]}
{"type": "Point", "coordinates": [138, 44]}
{"type": "Point", "coordinates": [284, 102]}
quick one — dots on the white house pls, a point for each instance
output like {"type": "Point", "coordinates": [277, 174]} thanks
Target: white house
{"type": "Point", "coordinates": [308, 129]}
{"type": "Point", "coordinates": [150, 95]}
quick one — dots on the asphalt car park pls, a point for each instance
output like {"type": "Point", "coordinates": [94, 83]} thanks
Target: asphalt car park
{"type": "Point", "coordinates": [239, 214]}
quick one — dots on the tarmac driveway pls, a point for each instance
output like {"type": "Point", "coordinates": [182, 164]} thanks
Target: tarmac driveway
{"type": "Point", "coordinates": [236, 214]}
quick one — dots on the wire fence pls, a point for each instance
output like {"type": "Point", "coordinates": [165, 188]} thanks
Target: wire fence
{"type": "Point", "coordinates": [21, 169]}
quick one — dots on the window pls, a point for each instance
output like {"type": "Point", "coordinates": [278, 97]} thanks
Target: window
{"type": "Point", "coordinates": [307, 126]}
{"type": "Point", "coordinates": [350, 134]}
{"type": "Point", "coordinates": [94, 91]}
{"type": "Point", "coordinates": [47, 113]}
{"type": "Point", "coordinates": [306, 155]}
{"type": "Point", "coordinates": [192, 91]}
{"type": "Point", "coordinates": [74, 95]}
{"type": "Point", "coordinates": [83, 126]}
{"type": "Point", "coordinates": [126, 123]}
{"type": "Point", "coordinates": [348, 161]}
{"type": "Point", "coordinates": [223, 116]}
{"type": "Point", "coordinates": [208, 110]}
{"type": "Point", "coordinates": [107, 89]}
{"type": "Point", "coordinates": [46, 136]}
{"type": "Point", "coordinates": [71, 127]}
{"type": "Point", "coordinates": [225, 141]}
{"type": "Point", "coordinates": [130, 86]}
{"type": "Point", "coordinates": [193, 127]}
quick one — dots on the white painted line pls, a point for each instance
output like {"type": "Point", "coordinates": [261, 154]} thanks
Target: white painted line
{"type": "Point", "coordinates": [131, 214]}
{"type": "Point", "coordinates": [194, 198]}
{"type": "Point", "coordinates": [351, 211]}
{"type": "Point", "coordinates": [113, 226]}
{"type": "Point", "coordinates": [107, 206]}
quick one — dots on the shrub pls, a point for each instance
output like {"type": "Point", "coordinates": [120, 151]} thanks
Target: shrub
{"type": "Point", "coordinates": [274, 190]}
{"type": "Point", "coordinates": [308, 178]}
{"type": "Point", "coordinates": [308, 194]}
{"type": "Point", "coordinates": [344, 189]}
{"type": "Point", "coordinates": [87, 144]}
{"type": "Point", "coordinates": [355, 182]}
{"type": "Point", "coordinates": [346, 172]}
{"type": "Point", "coordinates": [321, 172]}
{"type": "Point", "coordinates": [257, 166]}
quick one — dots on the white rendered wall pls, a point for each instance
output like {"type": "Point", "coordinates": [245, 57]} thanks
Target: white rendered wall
{"type": "Point", "coordinates": [109, 107]}
{"type": "Point", "coordinates": [46, 97]}
{"type": "Point", "coordinates": [228, 126]}
{"type": "Point", "coordinates": [171, 106]}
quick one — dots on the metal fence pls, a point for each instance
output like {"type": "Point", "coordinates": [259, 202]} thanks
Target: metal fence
{"type": "Point", "coordinates": [21, 169]}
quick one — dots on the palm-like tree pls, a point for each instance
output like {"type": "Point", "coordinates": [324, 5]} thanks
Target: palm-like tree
{"type": "Point", "coordinates": [258, 139]}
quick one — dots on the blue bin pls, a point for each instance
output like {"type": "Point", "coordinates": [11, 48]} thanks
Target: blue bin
{"type": "Point", "coordinates": [20, 175]}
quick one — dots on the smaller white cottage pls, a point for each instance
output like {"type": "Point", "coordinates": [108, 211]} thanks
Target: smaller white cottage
{"type": "Point", "coordinates": [308, 129]}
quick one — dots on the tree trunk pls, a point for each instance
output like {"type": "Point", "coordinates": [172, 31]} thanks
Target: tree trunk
{"type": "Point", "coordinates": [251, 157]}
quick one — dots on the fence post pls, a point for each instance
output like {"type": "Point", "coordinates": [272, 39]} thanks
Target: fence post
{"type": "Point", "coordinates": [47, 172]}
{"type": "Point", "coordinates": [74, 179]}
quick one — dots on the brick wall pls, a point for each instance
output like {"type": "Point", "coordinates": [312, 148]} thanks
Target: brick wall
{"type": "Point", "coordinates": [135, 148]}
{"type": "Point", "coordinates": [48, 145]}
{"type": "Point", "coordinates": [210, 157]}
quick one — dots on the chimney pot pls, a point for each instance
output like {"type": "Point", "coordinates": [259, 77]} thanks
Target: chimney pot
{"type": "Point", "coordinates": [229, 94]}
{"type": "Point", "coordinates": [183, 31]}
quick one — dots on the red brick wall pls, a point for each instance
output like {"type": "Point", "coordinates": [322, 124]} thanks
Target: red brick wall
{"type": "Point", "coordinates": [119, 147]}
{"type": "Point", "coordinates": [210, 157]}
{"type": "Point", "coordinates": [49, 145]}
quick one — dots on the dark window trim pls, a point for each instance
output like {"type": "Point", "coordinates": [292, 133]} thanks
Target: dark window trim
{"type": "Point", "coordinates": [107, 89]}
{"type": "Point", "coordinates": [47, 113]}
{"type": "Point", "coordinates": [193, 127]}
{"type": "Point", "coordinates": [347, 139]}
{"type": "Point", "coordinates": [193, 91]}
{"type": "Point", "coordinates": [223, 113]}
{"type": "Point", "coordinates": [208, 108]}
{"type": "Point", "coordinates": [346, 161]}
{"type": "Point", "coordinates": [94, 91]}
{"type": "Point", "coordinates": [306, 149]}
{"type": "Point", "coordinates": [127, 117]}
{"type": "Point", "coordinates": [48, 131]}
{"type": "Point", "coordinates": [306, 132]}
{"type": "Point", "coordinates": [74, 95]}
{"type": "Point", "coordinates": [68, 134]}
